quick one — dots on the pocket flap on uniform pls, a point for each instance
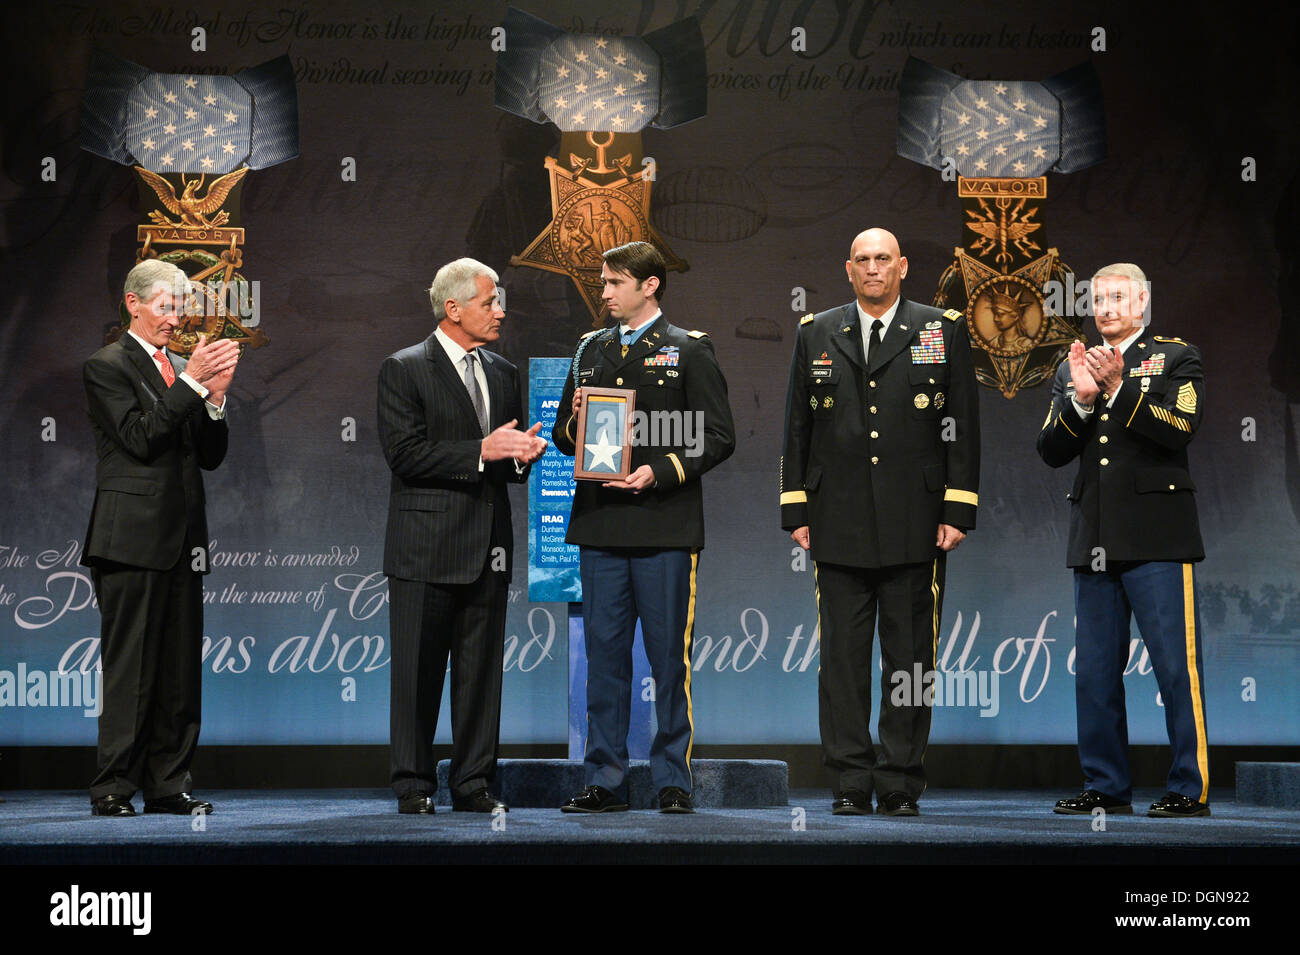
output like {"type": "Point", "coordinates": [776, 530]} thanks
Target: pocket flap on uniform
{"type": "Point", "coordinates": [814, 478]}
{"type": "Point", "coordinates": [1148, 480]}
{"type": "Point", "coordinates": [129, 485]}
{"type": "Point", "coordinates": [423, 501]}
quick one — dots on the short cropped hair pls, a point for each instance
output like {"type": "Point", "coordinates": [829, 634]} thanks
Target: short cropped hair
{"type": "Point", "coordinates": [457, 280]}
{"type": "Point", "coordinates": [145, 277]}
{"type": "Point", "coordinates": [641, 260]}
{"type": "Point", "coordinates": [1125, 270]}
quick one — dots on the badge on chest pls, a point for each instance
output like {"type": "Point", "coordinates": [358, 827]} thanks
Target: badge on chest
{"type": "Point", "coordinates": [929, 349]}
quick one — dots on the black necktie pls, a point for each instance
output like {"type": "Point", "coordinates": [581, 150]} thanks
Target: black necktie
{"type": "Point", "coordinates": [875, 338]}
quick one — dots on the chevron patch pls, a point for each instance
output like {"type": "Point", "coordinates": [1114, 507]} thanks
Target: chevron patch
{"type": "Point", "coordinates": [1187, 397]}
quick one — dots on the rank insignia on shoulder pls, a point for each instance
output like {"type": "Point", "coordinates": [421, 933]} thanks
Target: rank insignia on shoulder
{"type": "Point", "coordinates": [1162, 338]}
{"type": "Point", "coordinates": [952, 314]}
{"type": "Point", "coordinates": [930, 325]}
{"type": "Point", "coordinates": [697, 334]}
{"type": "Point", "coordinates": [806, 319]}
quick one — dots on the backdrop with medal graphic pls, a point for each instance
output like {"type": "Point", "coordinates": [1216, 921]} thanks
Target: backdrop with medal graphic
{"type": "Point", "coordinates": [775, 133]}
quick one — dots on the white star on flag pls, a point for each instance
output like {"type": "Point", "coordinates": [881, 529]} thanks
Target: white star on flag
{"type": "Point", "coordinates": [999, 89]}
{"type": "Point", "coordinates": [981, 134]}
{"type": "Point", "coordinates": [169, 96]}
{"type": "Point", "coordinates": [169, 129]}
{"type": "Point", "coordinates": [188, 144]}
{"type": "Point", "coordinates": [580, 88]}
{"type": "Point", "coordinates": [640, 77]}
{"type": "Point", "coordinates": [620, 89]}
{"type": "Point", "coordinates": [150, 112]}
{"type": "Point", "coordinates": [1021, 135]}
{"type": "Point", "coordinates": [981, 103]}
{"type": "Point", "coordinates": [617, 120]}
{"type": "Point", "coordinates": [601, 74]}
{"type": "Point", "coordinates": [1040, 152]}
{"type": "Point", "coordinates": [190, 82]}
{"type": "Point", "coordinates": [981, 165]}
{"type": "Point", "coordinates": [228, 148]}
{"type": "Point", "coordinates": [598, 103]}
{"type": "Point", "coordinates": [190, 114]}
{"type": "Point", "coordinates": [210, 100]}
{"type": "Point", "coordinates": [1019, 104]}
{"type": "Point", "coordinates": [1000, 149]}
{"type": "Point", "coordinates": [1001, 118]}
{"type": "Point", "coordinates": [231, 117]}
{"type": "Point", "coordinates": [561, 102]}
{"type": "Point", "coordinates": [209, 130]}
{"type": "Point", "coordinates": [963, 119]}
{"type": "Point", "coordinates": [582, 56]}
{"type": "Point", "coordinates": [601, 43]}
{"type": "Point", "coordinates": [562, 72]}
{"type": "Point", "coordinates": [962, 149]}
{"type": "Point", "coordinates": [1018, 166]}
{"type": "Point", "coordinates": [603, 452]}
{"type": "Point", "coordinates": [620, 60]}
{"type": "Point", "coordinates": [1040, 122]}
{"type": "Point", "coordinates": [147, 143]}
{"type": "Point", "coordinates": [638, 107]}
{"type": "Point", "coordinates": [167, 160]}
{"type": "Point", "coordinates": [207, 163]}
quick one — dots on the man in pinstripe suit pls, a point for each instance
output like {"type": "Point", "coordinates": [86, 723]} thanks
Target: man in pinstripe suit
{"type": "Point", "coordinates": [448, 423]}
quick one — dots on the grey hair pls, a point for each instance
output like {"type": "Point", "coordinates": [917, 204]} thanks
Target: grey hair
{"type": "Point", "coordinates": [145, 277]}
{"type": "Point", "coordinates": [1125, 270]}
{"type": "Point", "coordinates": [457, 280]}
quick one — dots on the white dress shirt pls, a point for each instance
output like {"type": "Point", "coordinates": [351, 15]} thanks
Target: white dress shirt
{"type": "Point", "coordinates": [865, 320]}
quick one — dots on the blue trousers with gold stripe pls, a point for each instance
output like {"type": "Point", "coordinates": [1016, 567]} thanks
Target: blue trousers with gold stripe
{"type": "Point", "coordinates": [618, 586]}
{"type": "Point", "coordinates": [1161, 595]}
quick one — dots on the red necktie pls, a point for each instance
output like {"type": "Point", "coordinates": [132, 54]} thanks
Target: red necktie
{"type": "Point", "coordinates": [169, 375]}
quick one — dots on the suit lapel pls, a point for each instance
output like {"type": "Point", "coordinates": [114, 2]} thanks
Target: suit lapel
{"type": "Point", "coordinates": [848, 336]}
{"type": "Point", "coordinates": [143, 363]}
{"type": "Point", "coordinates": [496, 389]}
{"type": "Point", "coordinates": [451, 379]}
{"type": "Point", "coordinates": [897, 336]}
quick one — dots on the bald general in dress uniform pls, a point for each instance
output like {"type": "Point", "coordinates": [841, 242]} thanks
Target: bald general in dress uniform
{"type": "Point", "coordinates": [880, 478]}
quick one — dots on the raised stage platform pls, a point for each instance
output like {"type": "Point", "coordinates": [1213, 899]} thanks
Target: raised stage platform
{"type": "Point", "coordinates": [362, 826]}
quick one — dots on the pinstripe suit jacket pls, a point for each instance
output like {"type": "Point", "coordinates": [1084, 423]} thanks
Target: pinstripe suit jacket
{"type": "Point", "coordinates": [444, 514]}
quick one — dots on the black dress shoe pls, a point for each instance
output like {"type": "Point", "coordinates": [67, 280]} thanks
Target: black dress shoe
{"type": "Point", "coordinates": [851, 802]}
{"type": "Point", "coordinates": [415, 804]}
{"type": "Point", "coordinates": [478, 801]}
{"type": "Point", "coordinates": [1090, 799]}
{"type": "Point", "coordinates": [897, 804]}
{"type": "Point", "coordinates": [594, 799]}
{"type": "Point", "coordinates": [1178, 806]}
{"type": "Point", "coordinates": [111, 806]}
{"type": "Point", "coordinates": [673, 799]}
{"type": "Point", "coordinates": [180, 804]}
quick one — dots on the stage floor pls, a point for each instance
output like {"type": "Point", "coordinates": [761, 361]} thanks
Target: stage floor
{"type": "Point", "coordinates": [362, 826]}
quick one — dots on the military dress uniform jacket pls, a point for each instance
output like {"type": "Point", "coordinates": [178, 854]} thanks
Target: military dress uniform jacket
{"type": "Point", "coordinates": [1133, 494]}
{"type": "Point", "coordinates": [671, 370]}
{"type": "Point", "coordinates": [876, 456]}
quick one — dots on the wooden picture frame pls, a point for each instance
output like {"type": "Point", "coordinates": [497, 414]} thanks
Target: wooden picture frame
{"type": "Point", "coordinates": [601, 410]}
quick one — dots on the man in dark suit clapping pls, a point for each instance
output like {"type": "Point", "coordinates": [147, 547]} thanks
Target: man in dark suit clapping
{"type": "Point", "coordinates": [157, 420]}
{"type": "Point", "coordinates": [448, 422]}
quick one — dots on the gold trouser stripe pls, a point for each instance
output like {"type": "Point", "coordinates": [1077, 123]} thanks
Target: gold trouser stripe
{"type": "Point", "coordinates": [817, 590]}
{"type": "Point", "coordinates": [1135, 411]}
{"type": "Point", "coordinates": [686, 658]}
{"type": "Point", "coordinates": [962, 497]}
{"type": "Point", "coordinates": [934, 595]}
{"type": "Point", "coordinates": [677, 463]}
{"type": "Point", "coordinates": [1194, 681]}
{"type": "Point", "coordinates": [1061, 418]}
{"type": "Point", "coordinates": [794, 497]}
{"type": "Point", "coordinates": [934, 642]}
